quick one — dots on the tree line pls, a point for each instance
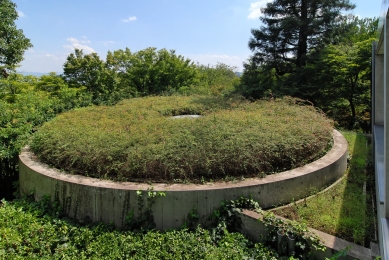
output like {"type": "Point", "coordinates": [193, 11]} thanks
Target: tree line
{"type": "Point", "coordinates": [126, 74]}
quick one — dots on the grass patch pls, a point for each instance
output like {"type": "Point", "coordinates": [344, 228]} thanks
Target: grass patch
{"type": "Point", "coordinates": [137, 140]}
{"type": "Point", "coordinates": [345, 210]}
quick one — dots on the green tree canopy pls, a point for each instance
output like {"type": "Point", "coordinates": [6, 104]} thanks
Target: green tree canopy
{"type": "Point", "coordinates": [83, 70]}
{"type": "Point", "coordinates": [335, 77]}
{"type": "Point", "coordinates": [218, 79]}
{"type": "Point", "coordinates": [126, 74]}
{"type": "Point", "coordinates": [291, 29]}
{"type": "Point", "coordinates": [342, 74]}
{"type": "Point", "coordinates": [150, 71]}
{"type": "Point", "coordinates": [293, 34]}
{"type": "Point", "coordinates": [13, 43]}
{"type": "Point", "coordinates": [88, 71]}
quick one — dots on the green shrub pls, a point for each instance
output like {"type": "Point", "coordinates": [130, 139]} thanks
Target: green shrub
{"type": "Point", "coordinates": [25, 103]}
{"type": "Point", "coordinates": [27, 231]}
{"type": "Point", "coordinates": [138, 139]}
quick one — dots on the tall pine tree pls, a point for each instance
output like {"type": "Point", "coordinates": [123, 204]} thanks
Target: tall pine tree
{"type": "Point", "coordinates": [291, 29]}
{"type": "Point", "coordinates": [293, 33]}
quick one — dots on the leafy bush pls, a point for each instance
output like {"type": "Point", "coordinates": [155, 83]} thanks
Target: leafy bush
{"type": "Point", "coordinates": [25, 103]}
{"type": "Point", "coordinates": [29, 231]}
{"type": "Point", "coordinates": [138, 139]}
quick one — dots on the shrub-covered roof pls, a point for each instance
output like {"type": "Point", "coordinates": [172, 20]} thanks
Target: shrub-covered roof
{"type": "Point", "coordinates": [138, 140]}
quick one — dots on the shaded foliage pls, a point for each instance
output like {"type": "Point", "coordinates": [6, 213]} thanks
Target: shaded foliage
{"type": "Point", "coordinates": [342, 75]}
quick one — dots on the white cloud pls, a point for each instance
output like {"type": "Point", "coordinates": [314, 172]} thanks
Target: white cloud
{"type": "Point", "coordinates": [77, 44]}
{"type": "Point", "coordinates": [213, 59]}
{"type": "Point", "coordinates": [21, 14]}
{"type": "Point", "coordinates": [39, 61]}
{"type": "Point", "coordinates": [51, 56]}
{"type": "Point", "coordinates": [255, 8]}
{"type": "Point", "coordinates": [106, 43]}
{"type": "Point", "coordinates": [130, 19]}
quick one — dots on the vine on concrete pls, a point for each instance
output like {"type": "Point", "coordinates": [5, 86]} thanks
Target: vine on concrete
{"type": "Point", "coordinates": [144, 220]}
{"type": "Point", "coordinates": [305, 241]}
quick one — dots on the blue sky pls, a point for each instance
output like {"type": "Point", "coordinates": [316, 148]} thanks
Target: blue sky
{"type": "Point", "coordinates": [206, 31]}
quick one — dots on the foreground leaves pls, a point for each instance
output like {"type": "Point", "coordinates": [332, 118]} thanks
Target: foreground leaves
{"type": "Point", "coordinates": [26, 231]}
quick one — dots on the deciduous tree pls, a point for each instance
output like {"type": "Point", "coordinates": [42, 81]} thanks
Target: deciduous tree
{"type": "Point", "coordinates": [88, 71]}
{"type": "Point", "coordinates": [342, 75]}
{"type": "Point", "coordinates": [13, 43]}
{"type": "Point", "coordinates": [150, 71]}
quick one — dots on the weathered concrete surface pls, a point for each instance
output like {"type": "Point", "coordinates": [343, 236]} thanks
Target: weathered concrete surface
{"type": "Point", "coordinates": [107, 201]}
{"type": "Point", "coordinates": [257, 231]}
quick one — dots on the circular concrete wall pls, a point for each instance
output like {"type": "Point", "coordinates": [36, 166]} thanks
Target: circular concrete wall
{"type": "Point", "coordinates": [108, 201]}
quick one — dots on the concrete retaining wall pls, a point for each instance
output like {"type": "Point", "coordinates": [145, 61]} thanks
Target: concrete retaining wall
{"type": "Point", "coordinates": [257, 231]}
{"type": "Point", "coordinates": [107, 201]}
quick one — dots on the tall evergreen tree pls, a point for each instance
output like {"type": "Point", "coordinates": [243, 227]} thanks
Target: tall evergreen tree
{"type": "Point", "coordinates": [291, 29]}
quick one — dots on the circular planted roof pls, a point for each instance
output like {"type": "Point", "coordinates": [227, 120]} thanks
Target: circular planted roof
{"type": "Point", "coordinates": [137, 140]}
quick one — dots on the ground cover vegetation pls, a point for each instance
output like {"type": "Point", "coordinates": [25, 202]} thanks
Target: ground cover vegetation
{"type": "Point", "coordinates": [310, 50]}
{"type": "Point", "coordinates": [138, 139]}
{"type": "Point", "coordinates": [36, 231]}
{"type": "Point", "coordinates": [347, 209]}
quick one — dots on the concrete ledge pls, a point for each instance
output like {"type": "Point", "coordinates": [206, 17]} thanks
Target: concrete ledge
{"type": "Point", "coordinates": [256, 230]}
{"type": "Point", "coordinates": [109, 202]}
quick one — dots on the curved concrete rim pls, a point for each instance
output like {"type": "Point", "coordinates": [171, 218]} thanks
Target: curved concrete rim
{"type": "Point", "coordinates": [333, 185]}
{"type": "Point", "coordinates": [337, 151]}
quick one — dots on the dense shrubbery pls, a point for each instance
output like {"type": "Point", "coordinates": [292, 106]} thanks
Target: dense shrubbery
{"type": "Point", "coordinates": [25, 103]}
{"type": "Point", "coordinates": [28, 230]}
{"type": "Point", "coordinates": [138, 139]}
